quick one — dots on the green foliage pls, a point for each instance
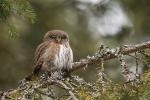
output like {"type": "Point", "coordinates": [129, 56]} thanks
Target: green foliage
{"type": "Point", "coordinates": [20, 9]}
{"type": "Point", "coordinates": [23, 9]}
{"type": "Point", "coordinates": [16, 7]}
{"type": "Point", "coordinates": [5, 9]}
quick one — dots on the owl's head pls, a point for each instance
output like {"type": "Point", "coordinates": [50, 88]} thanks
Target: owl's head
{"type": "Point", "coordinates": [57, 36]}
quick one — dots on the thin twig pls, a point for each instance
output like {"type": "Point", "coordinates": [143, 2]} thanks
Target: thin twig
{"type": "Point", "coordinates": [43, 93]}
{"type": "Point", "coordinates": [68, 89]}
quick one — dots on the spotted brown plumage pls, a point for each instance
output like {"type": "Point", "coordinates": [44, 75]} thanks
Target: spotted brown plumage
{"type": "Point", "coordinates": [54, 53]}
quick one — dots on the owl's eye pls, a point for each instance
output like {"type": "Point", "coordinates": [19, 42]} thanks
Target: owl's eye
{"type": "Point", "coordinates": [64, 37]}
{"type": "Point", "coordinates": [52, 37]}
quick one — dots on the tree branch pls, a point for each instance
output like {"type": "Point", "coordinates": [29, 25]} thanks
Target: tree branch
{"type": "Point", "coordinates": [110, 54]}
{"type": "Point", "coordinates": [30, 88]}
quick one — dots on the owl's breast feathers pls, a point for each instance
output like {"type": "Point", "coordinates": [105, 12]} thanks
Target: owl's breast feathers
{"type": "Point", "coordinates": [64, 58]}
{"type": "Point", "coordinates": [51, 55]}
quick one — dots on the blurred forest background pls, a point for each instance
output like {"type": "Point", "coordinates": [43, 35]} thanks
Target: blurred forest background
{"type": "Point", "coordinates": [89, 23]}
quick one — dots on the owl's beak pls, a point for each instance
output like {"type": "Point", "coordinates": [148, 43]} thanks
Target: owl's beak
{"type": "Point", "coordinates": [58, 39]}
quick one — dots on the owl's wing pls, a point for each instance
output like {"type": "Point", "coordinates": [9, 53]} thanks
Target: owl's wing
{"type": "Point", "coordinates": [38, 53]}
{"type": "Point", "coordinates": [37, 61]}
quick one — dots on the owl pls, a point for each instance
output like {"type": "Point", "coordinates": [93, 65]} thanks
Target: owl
{"type": "Point", "coordinates": [54, 53]}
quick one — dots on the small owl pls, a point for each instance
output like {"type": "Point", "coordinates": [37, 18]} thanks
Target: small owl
{"type": "Point", "coordinates": [54, 53]}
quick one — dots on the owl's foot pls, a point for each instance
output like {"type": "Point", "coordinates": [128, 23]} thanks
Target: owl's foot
{"type": "Point", "coordinates": [44, 76]}
{"type": "Point", "coordinates": [65, 73]}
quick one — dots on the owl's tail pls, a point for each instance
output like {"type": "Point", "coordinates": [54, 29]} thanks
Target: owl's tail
{"type": "Point", "coordinates": [34, 74]}
{"type": "Point", "coordinates": [30, 77]}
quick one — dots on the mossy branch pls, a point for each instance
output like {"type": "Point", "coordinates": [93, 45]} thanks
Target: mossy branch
{"type": "Point", "coordinates": [77, 88]}
{"type": "Point", "coordinates": [110, 54]}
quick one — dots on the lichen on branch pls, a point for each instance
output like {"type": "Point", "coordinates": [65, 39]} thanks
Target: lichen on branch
{"type": "Point", "coordinates": [76, 88]}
